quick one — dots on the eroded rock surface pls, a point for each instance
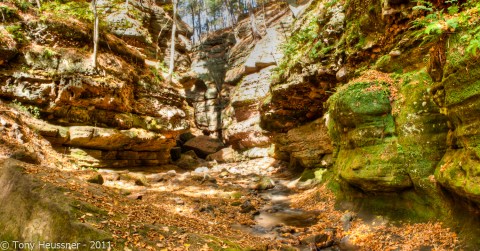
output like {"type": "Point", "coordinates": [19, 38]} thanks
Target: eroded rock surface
{"type": "Point", "coordinates": [122, 113]}
{"type": "Point", "coordinates": [457, 95]}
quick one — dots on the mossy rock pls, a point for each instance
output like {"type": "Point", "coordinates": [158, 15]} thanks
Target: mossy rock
{"type": "Point", "coordinates": [376, 128]}
{"type": "Point", "coordinates": [458, 96]}
{"type": "Point", "coordinates": [264, 183]}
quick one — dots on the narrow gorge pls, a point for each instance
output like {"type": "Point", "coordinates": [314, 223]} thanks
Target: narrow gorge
{"type": "Point", "coordinates": [300, 125]}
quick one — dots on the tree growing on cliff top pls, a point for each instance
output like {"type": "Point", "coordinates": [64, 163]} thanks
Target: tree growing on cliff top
{"type": "Point", "coordinates": [172, 42]}
{"type": "Point", "coordinates": [95, 33]}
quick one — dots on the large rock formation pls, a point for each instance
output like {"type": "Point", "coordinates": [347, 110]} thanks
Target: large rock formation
{"type": "Point", "coordinates": [390, 136]}
{"type": "Point", "coordinates": [306, 75]}
{"type": "Point", "coordinates": [457, 95]}
{"type": "Point", "coordinates": [241, 118]}
{"type": "Point", "coordinates": [121, 114]}
{"type": "Point", "coordinates": [149, 26]}
{"type": "Point", "coordinates": [227, 58]}
{"type": "Point", "coordinates": [305, 147]}
{"type": "Point", "coordinates": [206, 91]}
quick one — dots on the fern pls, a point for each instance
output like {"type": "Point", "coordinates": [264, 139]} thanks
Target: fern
{"type": "Point", "coordinates": [474, 46]}
{"type": "Point", "coordinates": [433, 28]}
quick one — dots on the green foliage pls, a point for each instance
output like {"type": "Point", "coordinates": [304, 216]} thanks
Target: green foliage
{"type": "Point", "coordinates": [163, 66]}
{"type": "Point", "coordinates": [454, 9]}
{"type": "Point", "coordinates": [48, 53]}
{"type": "Point", "coordinates": [464, 45]}
{"type": "Point", "coordinates": [473, 40]}
{"type": "Point", "coordinates": [304, 38]}
{"type": "Point", "coordinates": [23, 5]}
{"type": "Point", "coordinates": [474, 46]}
{"type": "Point", "coordinates": [319, 50]}
{"type": "Point", "coordinates": [33, 110]}
{"type": "Point", "coordinates": [65, 8]}
{"type": "Point", "coordinates": [16, 31]}
{"type": "Point", "coordinates": [157, 72]}
{"type": "Point", "coordinates": [424, 6]}
{"type": "Point", "coordinates": [8, 13]}
{"type": "Point", "coordinates": [331, 3]}
{"type": "Point", "coordinates": [436, 23]}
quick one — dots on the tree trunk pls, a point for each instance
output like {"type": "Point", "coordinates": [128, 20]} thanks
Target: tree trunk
{"type": "Point", "coordinates": [193, 22]}
{"type": "Point", "coordinates": [199, 24]}
{"type": "Point", "coordinates": [255, 33]}
{"type": "Point", "coordinates": [95, 33]}
{"type": "Point", "coordinates": [172, 41]}
{"type": "Point", "coordinates": [264, 17]}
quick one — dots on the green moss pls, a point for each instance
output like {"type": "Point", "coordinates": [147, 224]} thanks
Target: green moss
{"type": "Point", "coordinates": [389, 64]}
{"type": "Point", "coordinates": [363, 98]}
{"type": "Point", "coordinates": [321, 174]}
{"type": "Point", "coordinates": [236, 195]}
{"type": "Point", "coordinates": [307, 174]}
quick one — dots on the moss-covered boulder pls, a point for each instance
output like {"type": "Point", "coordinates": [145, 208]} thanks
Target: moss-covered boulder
{"type": "Point", "coordinates": [389, 134]}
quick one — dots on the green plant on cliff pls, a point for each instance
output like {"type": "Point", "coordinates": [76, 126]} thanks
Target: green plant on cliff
{"type": "Point", "coordinates": [157, 75]}
{"type": "Point", "coordinates": [76, 9]}
{"type": "Point", "coordinates": [437, 23]}
{"type": "Point", "coordinates": [293, 49]}
{"type": "Point", "coordinates": [474, 44]}
{"type": "Point", "coordinates": [17, 33]}
{"type": "Point", "coordinates": [33, 110]}
{"type": "Point", "coordinates": [48, 53]}
{"type": "Point", "coordinates": [23, 5]}
{"type": "Point", "coordinates": [7, 13]}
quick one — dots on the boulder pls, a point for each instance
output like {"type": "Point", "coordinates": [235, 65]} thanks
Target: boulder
{"type": "Point", "coordinates": [96, 179]}
{"type": "Point", "coordinates": [257, 152]}
{"type": "Point", "coordinates": [175, 153]}
{"type": "Point", "coordinates": [225, 155]}
{"type": "Point", "coordinates": [458, 96]}
{"type": "Point", "coordinates": [203, 145]}
{"type": "Point", "coordinates": [189, 161]}
{"type": "Point", "coordinates": [382, 147]}
{"type": "Point", "coordinates": [264, 183]}
{"type": "Point", "coordinates": [48, 207]}
{"type": "Point", "coordinates": [305, 146]}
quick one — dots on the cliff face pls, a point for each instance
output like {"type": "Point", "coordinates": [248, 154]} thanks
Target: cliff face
{"type": "Point", "coordinates": [121, 114]}
{"type": "Point", "coordinates": [232, 74]}
{"type": "Point", "coordinates": [241, 117]}
{"type": "Point", "coordinates": [401, 116]}
{"type": "Point", "coordinates": [398, 107]}
{"type": "Point", "coordinates": [357, 89]}
{"type": "Point", "coordinates": [457, 96]}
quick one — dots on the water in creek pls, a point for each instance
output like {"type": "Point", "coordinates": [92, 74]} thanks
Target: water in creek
{"type": "Point", "coordinates": [278, 213]}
